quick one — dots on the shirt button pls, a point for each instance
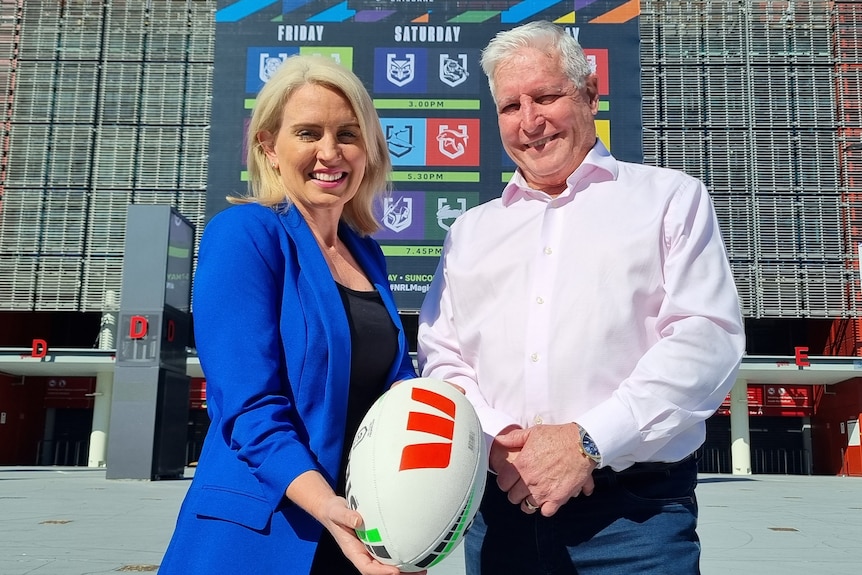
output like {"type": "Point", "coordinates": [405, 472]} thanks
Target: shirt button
{"type": "Point", "coordinates": [535, 357]}
{"type": "Point", "coordinates": [548, 251]}
{"type": "Point", "coordinates": [539, 300]}
{"type": "Point", "coordinates": [538, 420]}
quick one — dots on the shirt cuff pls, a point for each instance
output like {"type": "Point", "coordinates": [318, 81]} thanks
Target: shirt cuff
{"type": "Point", "coordinates": [612, 427]}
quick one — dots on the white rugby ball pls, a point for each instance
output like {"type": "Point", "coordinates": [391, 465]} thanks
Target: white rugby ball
{"type": "Point", "coordinates": [416, 473]}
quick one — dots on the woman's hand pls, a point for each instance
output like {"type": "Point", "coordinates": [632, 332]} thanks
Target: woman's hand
{"type": "Point", "coordinates": [312, 492]}
{"type": "Point", "coordinates": [342, 522]}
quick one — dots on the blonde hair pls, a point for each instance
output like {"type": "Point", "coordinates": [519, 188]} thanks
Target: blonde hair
{"type": "Point", "coordinates": [264, 182]}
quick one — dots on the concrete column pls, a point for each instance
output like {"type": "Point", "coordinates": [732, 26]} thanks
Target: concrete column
{"type": "Point", "coordinates": [46, 456]}
{"type": "Point", "coordinates": [807, 447]}
{"type": "Point", "coordinates": [98, 455]}
{"type": "Point", "coordinates": [740, 438]}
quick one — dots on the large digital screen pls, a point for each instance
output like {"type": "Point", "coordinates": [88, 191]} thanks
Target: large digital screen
{"type": "Point", "coordinates": [420, 62]}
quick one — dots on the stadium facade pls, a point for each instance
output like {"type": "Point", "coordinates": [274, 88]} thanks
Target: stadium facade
{"type": "Point", "coordinates": [106, 103]}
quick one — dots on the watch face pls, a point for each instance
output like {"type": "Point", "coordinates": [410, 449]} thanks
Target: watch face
{"type": "Point", "coordinates": [590, 446]}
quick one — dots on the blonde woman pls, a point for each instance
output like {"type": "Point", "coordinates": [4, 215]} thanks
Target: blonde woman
{"type": "Point", "coordinates": [298, 334]}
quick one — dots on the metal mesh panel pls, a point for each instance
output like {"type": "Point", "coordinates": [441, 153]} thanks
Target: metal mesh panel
{"type": "Point", "coordinates": [62, 223]}
{"type": "Point", "coordinates": [106, 231]}
{"type": "Point", "coordinates": [792, 96]}
{"type": "Point", "coordinates": [761, 100]}
{"type": "Point", "coordinates": [730, 167]}
{"type": "Point", "coordinates": [120, 98]}
{"type": "Point", "coordinates": [799, 228]}
{"type": "Point", "coordinates": [850, 94]}
{"type": "Point", "coordinates": [169, 40]}
{"type": "Point", "coordinates": [792, 31]}
{"type": "Point", "coordinates": [20, 221]}
{"type": "Point", "coordinates": [735, 214]}
{"type": "Point", "coordinates": [155, 197]}
{"type": "Point", "coordinates": [27, 153]}
{"type": "Point", "coordinates": [58, 283]}
{"type": "Point", "coordinates": [683, 32]}
{"type": "Point", "coordinates": [201, 40]}
{"type": "Point", "coordinates": [848, 23]}
{"type": "Point", "coordinates": [111, 105]}
{"type": "Point", "coordinates": [802, 160]}
{"type": "Point", "coordinates": [163, 94]}
{"type": "Point", "coordinates": [720, 158]}
{"type": "Point", "coordinates": [681, 150]}
{"type": "Point", "coordinates": [8, 39]}
{"type": "Point", "coordinates": [157, 159]}
{"type": "Point", "coordinates": [81, 30]}
{"type": "Point", "coordinates": [788, 290]}
{"type": "Point", "coordinates": [193, 175]}
{"type": "Point", "coordinates": [821, 233]}
{"type": "Point", "coordinates": [828, 290]}
{"type": "Point", "coordinates": [9, 17]}
{"type": "Point", "coordinates": [67, 146]}
{"type": "Point", "coordinates": [17, 281]}
{"type": "Point", "coordinates": [194, 205]}
{"type": "Point", "coordinates": [198, 99]}
{"type": "Point", "coordinates": [75, 98]}
{"type": "Point", "coordinates": [100, 276]}
{"type": "Point", "coordinates": [34, 222]}
{"type": "Point", "coordinates": [779, 289]}
{"type": "Point", "coordinates": [39, 30]}
{"type": "Point", "coordinates": [127, 31]}
{"type": "Point", "coordinates": [34, 91]}
{"type": "Point", "coordinates": [115, 161]}
{"type": "Point", "coordinates": [744, 274]}
{"type": "Point", "coordinates": [851, 173]}
{"type": "Point", "coordinates": [686, 96]}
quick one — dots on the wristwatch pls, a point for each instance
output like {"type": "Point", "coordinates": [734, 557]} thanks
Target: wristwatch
{"type": "Point", "coordinates": [588, 447]}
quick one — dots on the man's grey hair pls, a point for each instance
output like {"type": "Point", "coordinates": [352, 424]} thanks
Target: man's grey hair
{"type": "Point", "coordinates": [541, 35]}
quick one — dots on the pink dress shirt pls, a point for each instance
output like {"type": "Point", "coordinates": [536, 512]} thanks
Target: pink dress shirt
{"type": "Point", "coordinates": [611, 305]}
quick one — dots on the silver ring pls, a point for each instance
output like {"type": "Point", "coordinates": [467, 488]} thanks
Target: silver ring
{"type": "Point", "coordinates": [529, 505]}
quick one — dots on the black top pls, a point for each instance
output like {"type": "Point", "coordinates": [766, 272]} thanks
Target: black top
{"type": "Point", "coordinates": [373, 345]}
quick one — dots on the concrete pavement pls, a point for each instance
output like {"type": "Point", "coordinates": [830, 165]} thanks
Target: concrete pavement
{"type": "Point", "coordinates": [73, 521]}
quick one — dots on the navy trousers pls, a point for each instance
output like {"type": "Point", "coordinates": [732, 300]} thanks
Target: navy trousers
{"type": "Point", "coordinates": [640, 521]}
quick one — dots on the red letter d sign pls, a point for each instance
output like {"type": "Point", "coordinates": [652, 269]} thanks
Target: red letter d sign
{"type": "Point", "coordinates": [138, 327]}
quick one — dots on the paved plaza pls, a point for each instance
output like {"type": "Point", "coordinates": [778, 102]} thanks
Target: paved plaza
{"type": "Point", "coordinates": [73, 521]}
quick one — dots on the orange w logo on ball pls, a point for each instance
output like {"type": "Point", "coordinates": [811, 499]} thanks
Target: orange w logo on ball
{"type": "Point", "coordinates": [430, 455]}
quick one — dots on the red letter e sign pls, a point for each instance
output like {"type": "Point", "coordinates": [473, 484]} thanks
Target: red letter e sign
{"type": "Point", "coordinates": [802, 357]}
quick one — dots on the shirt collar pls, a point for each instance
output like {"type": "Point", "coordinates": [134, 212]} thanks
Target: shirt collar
{"type": "Point", "coordinates": [598, 166]}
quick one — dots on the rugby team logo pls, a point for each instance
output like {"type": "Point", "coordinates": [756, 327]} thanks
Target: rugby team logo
{"type": "Point", "coordinates": [400, 70]}
{"type": "Point", "coordinates": [268, 64]}
{"type": "Point", "coordinates": [399, 140]}
{"type": "Point", "coordinates": [446, 214]}
{"type": "Point", "coordinates": [452, 142]}
{"type": "Point", "coordinates": [397, 214]}
{"type": "Point", "coordinates": [453, 71]}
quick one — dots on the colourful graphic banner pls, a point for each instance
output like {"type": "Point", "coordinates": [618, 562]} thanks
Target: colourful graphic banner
{"type": "Point", "coordinates": [419, 60]}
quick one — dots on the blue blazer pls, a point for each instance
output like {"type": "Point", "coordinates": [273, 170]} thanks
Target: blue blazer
{"type": "Point", "coordinates": [274, 343]}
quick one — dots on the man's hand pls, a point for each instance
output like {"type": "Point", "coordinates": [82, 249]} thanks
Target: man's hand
{"type": "Point", "coordinates": [503, 453]}
{"type": "Point", "coordinates": [550, 467]}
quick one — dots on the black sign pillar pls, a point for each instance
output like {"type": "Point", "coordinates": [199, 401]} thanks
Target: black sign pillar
{"type": "Point", "coordinates": [150, 403]}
